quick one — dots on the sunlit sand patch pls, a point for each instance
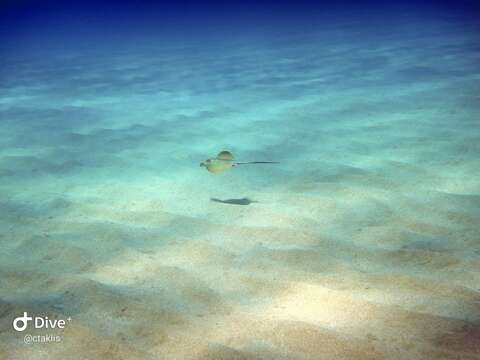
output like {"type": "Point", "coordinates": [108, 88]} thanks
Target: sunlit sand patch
{"type": "Point", "coordinates": [130, 268]}
{"type": "Point", "coordinates": [248, 335]}
{"type": "Point", "coordinates": [427, 296]}
{"type": "Point", "coordinates": [340, 311]}
{"type": "Point", "coordinates": [194, 253]}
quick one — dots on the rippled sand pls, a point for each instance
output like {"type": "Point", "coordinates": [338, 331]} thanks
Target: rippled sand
{"type": "Point", "coordinates": [364, 243]}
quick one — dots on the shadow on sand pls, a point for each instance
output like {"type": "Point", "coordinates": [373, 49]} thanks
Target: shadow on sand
{"type": "Point", "coordinates": [242, 201]}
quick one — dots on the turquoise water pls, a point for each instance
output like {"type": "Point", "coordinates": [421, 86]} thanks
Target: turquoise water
{"type": "Point", "coordinates": [363, 243]}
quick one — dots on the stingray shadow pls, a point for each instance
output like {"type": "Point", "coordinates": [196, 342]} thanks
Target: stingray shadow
{"type": "Point", "coordinates": [242, 201]}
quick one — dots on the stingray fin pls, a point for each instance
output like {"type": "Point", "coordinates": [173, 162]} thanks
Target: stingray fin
{"type": "Point", "coordinates": [225, 155]}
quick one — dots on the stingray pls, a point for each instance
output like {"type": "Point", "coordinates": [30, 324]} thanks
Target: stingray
{"type": "Point", "coordinates": [225, 161]}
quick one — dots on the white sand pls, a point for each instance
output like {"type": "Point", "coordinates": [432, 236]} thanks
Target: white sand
{"type": "Point", "coordinates": [363, 244]}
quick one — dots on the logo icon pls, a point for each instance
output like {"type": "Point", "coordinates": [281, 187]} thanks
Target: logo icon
{"type": "Point", "coordinates": [23, 320]}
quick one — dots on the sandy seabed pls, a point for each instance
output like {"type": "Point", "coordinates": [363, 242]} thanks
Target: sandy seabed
{"type": "Point", "coordinates": [364, 243]}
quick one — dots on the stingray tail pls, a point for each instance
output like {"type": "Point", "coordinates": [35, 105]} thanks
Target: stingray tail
{"type": "Point", "coordinates": [257, 162]}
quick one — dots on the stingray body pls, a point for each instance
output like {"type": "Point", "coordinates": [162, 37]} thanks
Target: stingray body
{"type": "Point", "coordinates": [225, 161]}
